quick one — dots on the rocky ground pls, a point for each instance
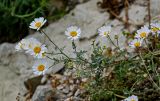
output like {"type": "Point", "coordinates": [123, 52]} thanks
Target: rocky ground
{"type": "Point", "coordinates": [15, 68]}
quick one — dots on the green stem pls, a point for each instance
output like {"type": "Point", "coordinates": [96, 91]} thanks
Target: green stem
{"type": "Point", "coordinates": [120, 96]}
{"type": "Point", "coordinates": [112, 42]}
{"type": "Point", "coordinates": [151, 79]}
{"type": "Point", "coordinates": [54, 53]}
{"type": "Point", "coordinates": [55, 44]}
{"type": "Point", "coordinates": [116, 45]}
{"type": "Point", "coordinates": [74, 48]}
{"type": "Point", "coordinates": [117, 42]}
{"type": "Point", "coordinates": [147, 45]}
{"type": "Point", "coordinates": [26, 15]}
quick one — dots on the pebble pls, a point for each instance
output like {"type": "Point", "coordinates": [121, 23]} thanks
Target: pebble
{"type": "Point", "coordinates": [65, 90]}
{"type": "Point", "coordinates": [68, 85]}
{"type": "Point", "coordinates": [69, 99]}
{"type": "Point", "coordinates": [71, 81]}
{"type": "Point", "coordinates": [84, 79]}
{"type": "Point", "coordinates": [77, 81]}
{"type": "Point", "coordinates": [72, 87]}
{"type": "Point", "coordinates": [77, 92]}
{"type": "Point", "coordinates": [60, 87]}
{"type": "Point", "coordinates": [70, 94]}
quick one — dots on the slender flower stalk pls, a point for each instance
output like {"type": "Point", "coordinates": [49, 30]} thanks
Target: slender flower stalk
{"type": "Point", "coordinates": [112, 41]}
{"type": "Point", "coordinates": [75, 50]}
{"type": "Point", "coordinates": [151, 79]}
{"type": "Point", "coordinates": [105, 31]}
{"type": "Point", "coordinates": [117, 46]}
{"type": "Point", "coordinates": [117, 40]}
{"type": "Point", "coordinates": [56, 46]}
{"type": "Point", "coordinates": [145, 41]}
{"type": "Point", "coordinates": [74, 46]}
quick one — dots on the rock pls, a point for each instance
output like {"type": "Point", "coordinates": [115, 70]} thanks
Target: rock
{"type": "Point", "coordinates": [32, 83]}
{"type": "Point", "coordinates": [155, 4]}
{"type": "Point", "coordinates": [9, 89]}
{"type": "Point", "coordinates": [15, 69]}
{"type": "Point", "coordinates": [72, 3]}
{"type": "Point", "coordinates": [77, 81]}
{"type": "Point", "coordinates": [11, 63]}
{"type": "Point", "coordinates": [66, 90]}
{"type": "Point", "coordinates": [84, 79]}
{"type": "Point", "coordinates": [60, 87]}
{"type": "Point", "coordinates": [44, 79]}
{"type": "Point", "coordinates": [55, 68]}
{"type": "Point", "coordinates": [72, 87]}
{"type": "Point", "coordinates": [59, 96]}
{"type": "Point", "coordinates": [77, 92]}
{"type": "Point", "coordinates": [71, 81]}
{"type": "Point", "coordinates": [70, 94]}
{"type": "Point", "coordinates": [43, 93]}
{"type": "Point", "coordinates": [67, 73]}
{"type": "Point", "coordinates": [69, 99]}
{"type": "Point", "coordinates": [139, 11]}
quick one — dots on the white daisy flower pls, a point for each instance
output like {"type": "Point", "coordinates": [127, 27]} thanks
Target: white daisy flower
{"type": "Point", "coordinates": [30, 42]}
{"type": "Point", "coordinates": [73, 32]}
{"type": "Point", "coordinates": [142, 33]}
{"type": "Point", "coordinates": [22, 45]}
{"type": "Point", "coordinates": [104, 31]}
{"type": "Point", "coordinates": [131, 98]}
{"type": "Point", "coordinates": [136, 43]}
{"type": "Point", "coordinates": [155, 28]}
{"type": "Point", "coordinates": [40, 67]}
{"type": "Point", "coordinates": [37, 23]}
{"type": "Point", "coordinates": [25, 44]}
{"type": "Point", "coordinates": [37, 49]}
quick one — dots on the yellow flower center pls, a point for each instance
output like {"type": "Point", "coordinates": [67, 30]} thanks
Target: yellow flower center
{"type": "Point", "coordinates": [38, 24]}
{"type": "Point", "coordinates": [37, 49]}
{"type": "Point", "coordinates": [105, 33]}
{"type": "Point", "coordinates": [143, 34]}
{"type": "Point", "coordinates": [133, 100]}
{"type": "Point", "coordinates": [154, 29]}
{"type": "Point", "coordinates": [41, 68]}
{"type": "Point", "coordinates": [21, 45]}
{"type": "Point", "coordinates": [137, 44]}
{"type": "Point", "coordinates": [73, 33]}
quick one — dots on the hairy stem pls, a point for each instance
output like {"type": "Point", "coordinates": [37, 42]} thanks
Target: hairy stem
{"type": "Point", "coordinates": [74, 48]}
{"type": "Point", "coordinates": [151, 79]}
{"type": "Point", "coordinates": [112, 42]}
{"type": "Point", "coordinates": [55, 44]}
